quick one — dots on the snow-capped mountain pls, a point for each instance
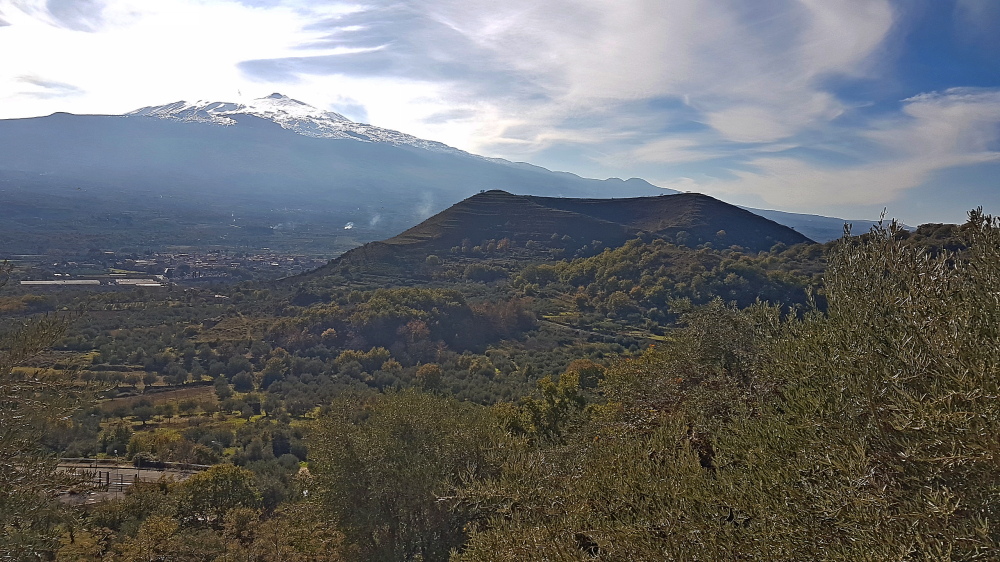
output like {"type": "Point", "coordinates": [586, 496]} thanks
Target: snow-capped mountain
{"type": "Point", "coordinates": [263, 158]}
{"type": "Point", "coordinates": [275, 159]}
{"type": "Point", "coordinates": [290, 114]}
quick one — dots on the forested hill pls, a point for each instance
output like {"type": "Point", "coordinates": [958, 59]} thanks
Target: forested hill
{"type": "Point", "coordinates": [687, 219]}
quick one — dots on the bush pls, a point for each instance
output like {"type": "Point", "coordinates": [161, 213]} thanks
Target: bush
{"type": "Point", "coordinates": [388, 467]}
{"type": "Point", "coordinates": [207, 496]}
{"type": "Point", "coordinates": [243, 382]}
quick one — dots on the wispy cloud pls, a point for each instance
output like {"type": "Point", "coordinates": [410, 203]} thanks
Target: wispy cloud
{"type": "Point", "coordinates": [754, 73]}
{"type": "Point", "coordinates": [76, 15]}
{"type": "Point", "coordinates": [673, 151]}
{"type": "Point", "coordinates": [933, 132]}
{"type": "Point", "coordinates": [38, 87]}
{"type": "Point", "coordinates": [790, 103]}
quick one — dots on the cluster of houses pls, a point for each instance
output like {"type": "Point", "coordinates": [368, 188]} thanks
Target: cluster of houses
{"type": "Point", "coordinates": [161, 269]}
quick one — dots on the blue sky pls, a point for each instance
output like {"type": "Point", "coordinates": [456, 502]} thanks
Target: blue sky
{"type": "Point", "coordinates": [835, 107]}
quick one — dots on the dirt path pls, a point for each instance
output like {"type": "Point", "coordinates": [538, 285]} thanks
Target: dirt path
{"type": "Point", "coordinates": [110, 479]}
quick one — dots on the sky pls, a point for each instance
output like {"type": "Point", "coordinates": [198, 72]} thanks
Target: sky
{"type": "Point", "coordinates": [835, 107]}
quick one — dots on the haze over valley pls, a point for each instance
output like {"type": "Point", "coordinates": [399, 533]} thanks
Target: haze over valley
{"type": "Point", "coordinates": [276, 174]}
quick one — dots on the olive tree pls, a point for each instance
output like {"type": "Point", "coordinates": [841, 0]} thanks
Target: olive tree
{"type": "Point", "coordinates": [865, 432]}
{"type": "Point", "coordinates": [29, 512]}
{"type": "Point", "coordinates": [387, 468]}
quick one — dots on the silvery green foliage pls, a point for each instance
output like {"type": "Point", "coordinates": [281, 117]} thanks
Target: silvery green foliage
{"type": "Point", "coordinates": [29, 514]}
{"type": "Point", "coordinates": [893, 400]}
{"type": "Point", "coordinates": [868, 432]}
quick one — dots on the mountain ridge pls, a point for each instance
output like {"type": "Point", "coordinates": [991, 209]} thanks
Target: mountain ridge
{"type": "Point", "coordinates": [255, 169]}
{"type": "Point", "coordinates": [277, 153]}
{"type": "Point", "coordinates": [588, 225]}
{"type": "Point", "coordinates": [307, 120]}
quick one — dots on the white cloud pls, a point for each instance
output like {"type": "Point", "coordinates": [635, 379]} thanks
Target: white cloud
{"type": "Point", "coordinates": [756, 74]}
{"type": "Point", "coordinates": [529, 71]}
{"type": "Point", "coordinates": [140, 52]}
{"type": "Point", "coordinates": [753, 71]}
{"type": "Point", "coordinates": [670, 150]}
{"type": "Point", "coordinates": [936, 131]}
{"type": "Point", "coordinates": [771, 122]}
{"type": "Point", "coordinates": [952, 126]}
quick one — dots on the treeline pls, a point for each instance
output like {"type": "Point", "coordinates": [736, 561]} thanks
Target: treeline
{"type": "Point", "coordinates": [647, 276]}
{"type": "Point", "coordinates": [402, 319]}
{"type": "Point", "coordinates": [860, 434]}
{"type": "Point", "coordinates": [280, 354]}
{"type": "Point", "coordinates": [220, 514]}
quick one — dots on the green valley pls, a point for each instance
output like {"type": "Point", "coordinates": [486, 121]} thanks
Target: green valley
{"type": "Point", "coordinates": [525, 378]}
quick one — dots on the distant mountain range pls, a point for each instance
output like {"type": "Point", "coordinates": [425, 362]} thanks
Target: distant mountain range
{"type": "Point", "coordinates": [817, 227]}
{"type": "Point", "coordinates": [687, 218]}
{"type": "Point", "coordinates": [272, 164]}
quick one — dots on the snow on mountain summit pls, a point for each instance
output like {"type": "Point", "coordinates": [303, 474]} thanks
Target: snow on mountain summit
{"type": "Point", "coordinates": [277, 107]}
{"type": "Point", "coordinates": [290, 114]}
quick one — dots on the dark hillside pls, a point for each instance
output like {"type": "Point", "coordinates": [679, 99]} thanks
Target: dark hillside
{"type": "Point", "coordinates": [491, 215]}
{"type": "Point", "coordinates": [700, 216]}
{"type": "Point", "coordinates": [498, 214]}
{"type": "Point", "coordinates": [573, 225]}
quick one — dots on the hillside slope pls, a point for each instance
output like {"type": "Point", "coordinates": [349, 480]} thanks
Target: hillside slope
{"type": "Point", "coordinates": [574, 224]}
{"type": "Point", "coordinates": [702, 218]}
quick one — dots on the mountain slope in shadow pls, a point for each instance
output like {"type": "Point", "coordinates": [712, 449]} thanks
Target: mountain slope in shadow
{"type": "Point", "coordinates": [688, 219]}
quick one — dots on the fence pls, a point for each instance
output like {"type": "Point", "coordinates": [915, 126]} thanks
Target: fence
{"type": "Point", "coordinates": [117, 463]}
{"type": "Point", "coordinates": [113, 476]}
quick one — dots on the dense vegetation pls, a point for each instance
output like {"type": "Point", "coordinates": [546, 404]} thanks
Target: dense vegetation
{"type": "Point", "coordinates": [639, 403]}
{"type": "Point", "coordinates": [862, 434]}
